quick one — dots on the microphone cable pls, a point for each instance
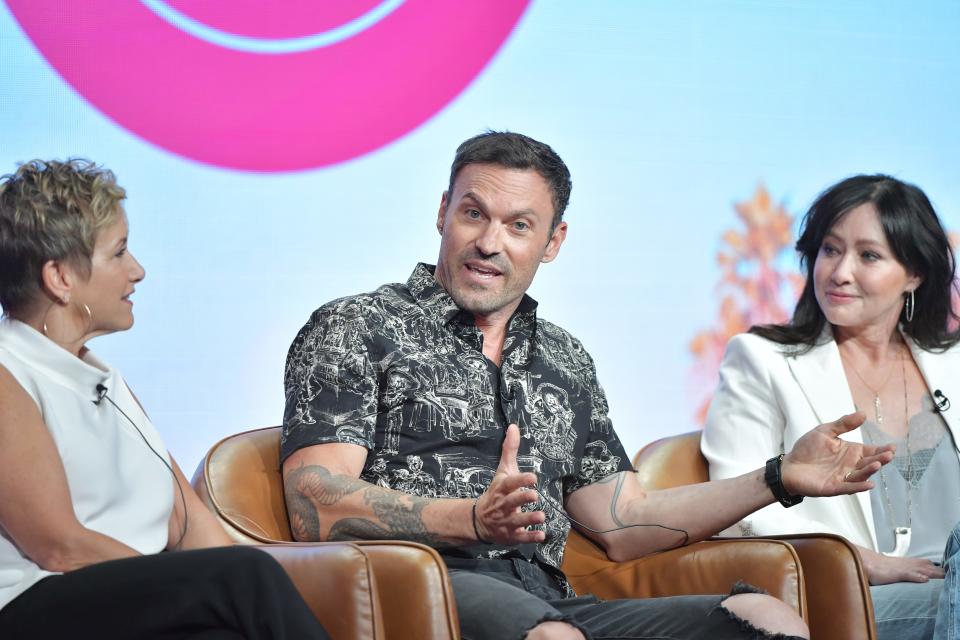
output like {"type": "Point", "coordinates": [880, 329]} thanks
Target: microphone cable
{"type": "Point", "coordinates": [102, 394]}
{"type": "Point", "coordinates": [559, 511]}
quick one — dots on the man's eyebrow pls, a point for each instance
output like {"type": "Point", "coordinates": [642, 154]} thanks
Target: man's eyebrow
{"type": "Point", "coordinates": [470, 195]}
{"type": "Point", "coordinates": [521, 213]}
{"type": "Point", "coordinates": [479, 201]}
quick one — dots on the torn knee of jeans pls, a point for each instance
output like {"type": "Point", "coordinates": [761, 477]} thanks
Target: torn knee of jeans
{"type": "Point", "coordinates": [554, 616]}
{"type": "Point", "coordinates": [750, 631]}
{"type": "Point", "coordinates": [745, 587]}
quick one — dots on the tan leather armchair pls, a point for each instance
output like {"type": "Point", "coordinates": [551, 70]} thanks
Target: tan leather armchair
{"type": "Point", "coordinates": [240, 481]}
{"type": "Point", "coordinates": [362, 589]}
{"type": "Point", "coordinates": [835, 591]}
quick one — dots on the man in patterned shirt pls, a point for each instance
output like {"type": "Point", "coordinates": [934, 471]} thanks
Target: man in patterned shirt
{"type": "Point", "coordinates": [445, 411]}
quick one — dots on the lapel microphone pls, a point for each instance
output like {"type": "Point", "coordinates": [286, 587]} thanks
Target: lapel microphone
{"type": "Point", "coordinates": [101, 393]}
{"type": "Point", "coordinates": [942, 401]}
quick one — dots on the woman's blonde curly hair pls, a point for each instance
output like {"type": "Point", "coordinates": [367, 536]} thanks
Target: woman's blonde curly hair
{"type": "Point", "coordinates": [51, 210]}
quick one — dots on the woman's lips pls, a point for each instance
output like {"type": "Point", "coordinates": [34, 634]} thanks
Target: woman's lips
{"type": "Point", "coordinates": [840, 298]}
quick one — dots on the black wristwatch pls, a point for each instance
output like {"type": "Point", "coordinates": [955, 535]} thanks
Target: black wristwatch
{"type": "Point", "coordinates": [775, 481]}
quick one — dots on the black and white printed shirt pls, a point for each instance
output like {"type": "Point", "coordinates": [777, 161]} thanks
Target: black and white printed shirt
{"type": "Point", "coordinates": [401, 372]}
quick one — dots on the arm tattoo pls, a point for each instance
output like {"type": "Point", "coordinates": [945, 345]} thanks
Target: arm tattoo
{"type": "Point", "coordinates": [320, 485]}
{"type": "Point", "coordinates": [308, 487]}
{"type": "Point", "coordinates": [397, 516]}
{"type": "Point", "coordinates": [402, 515]}
{"type": "Point", "coordinates": [357, 528]}
{"type": "Point", "coordinates": [618, 478]}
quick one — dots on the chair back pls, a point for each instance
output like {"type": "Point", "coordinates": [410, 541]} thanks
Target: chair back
{"type": "Point", "coordinates": [836, 587]}
{"type": "Point", "coordinates": [240, 481]}
{"type": "Point", "coordinates": [671, 462]}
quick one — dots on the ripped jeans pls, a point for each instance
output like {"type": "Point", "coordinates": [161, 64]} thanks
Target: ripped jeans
{"type": "Point", "coordinates": [948, 611]}
{"type": "Point", "coordinates": [505, 598]}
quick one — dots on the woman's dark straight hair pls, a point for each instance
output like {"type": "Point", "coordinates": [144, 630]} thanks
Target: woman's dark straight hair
{"type": "Point", "coordinates": [918, 241]}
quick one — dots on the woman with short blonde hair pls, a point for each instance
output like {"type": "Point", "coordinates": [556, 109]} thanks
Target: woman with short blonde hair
{"type": "Point", "coordinates": [101, 536]}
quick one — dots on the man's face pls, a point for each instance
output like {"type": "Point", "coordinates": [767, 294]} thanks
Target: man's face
{"type": "Point", "coordinates": [495, 229]}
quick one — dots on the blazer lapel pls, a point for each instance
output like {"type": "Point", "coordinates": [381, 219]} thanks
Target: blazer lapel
{"type": "Point", "coordinates": [819, 373]}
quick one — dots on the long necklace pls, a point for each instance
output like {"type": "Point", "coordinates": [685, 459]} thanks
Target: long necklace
{"type": "Point", "coordinates": [901, 535]}
{"type": "Point", "coordinates": [877, 407]}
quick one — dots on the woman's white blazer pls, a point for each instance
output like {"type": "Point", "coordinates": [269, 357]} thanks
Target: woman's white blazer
{"type": "Point", "coordinates": [768, 398]}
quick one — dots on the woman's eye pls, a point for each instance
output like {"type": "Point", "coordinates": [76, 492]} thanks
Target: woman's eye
{"type": "Point", "coordinates": [870, 256]}
{"type": "Point", "coordinates": [828, 250]}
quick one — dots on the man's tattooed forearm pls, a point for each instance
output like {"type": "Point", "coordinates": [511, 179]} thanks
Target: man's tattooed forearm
{"type": "Point", "coordinates": [309, 489]}
{"type": "Point", "coordinates": [357, 528]}
{"type": "Point", "coordinates": [304, 520]}
{"type": "Point", "coordinates": [402, 516]}
{"type": "Point", "coordinates": [320, 485]}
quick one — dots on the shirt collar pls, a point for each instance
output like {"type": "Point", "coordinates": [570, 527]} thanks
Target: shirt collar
{"type": "Point", "coordinates": [52, 360]}
{"type": "Point", "coordinates": [434, 299]}
{"type": "Point", "coordinates": [430, 295]}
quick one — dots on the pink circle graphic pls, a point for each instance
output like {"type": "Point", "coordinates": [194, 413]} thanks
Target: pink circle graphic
{"type": "Point", "coordinates": [264, 86]}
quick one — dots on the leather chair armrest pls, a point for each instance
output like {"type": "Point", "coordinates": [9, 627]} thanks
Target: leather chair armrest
{"type": "Point", "coordinates": [709, 567]}
{"type": "Point", "coordinates": [337, 581]}
{"type": "Point", "coordinates": [413, 589]}
{"type": "Point", "coordinates": [838, 591]}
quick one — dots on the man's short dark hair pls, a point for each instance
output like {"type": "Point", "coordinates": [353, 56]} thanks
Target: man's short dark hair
{"type": "Point", "coordinates": [517, 151]}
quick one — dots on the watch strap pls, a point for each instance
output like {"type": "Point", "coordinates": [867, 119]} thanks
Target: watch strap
{"type": "Point", "coordinates": [774, 479]}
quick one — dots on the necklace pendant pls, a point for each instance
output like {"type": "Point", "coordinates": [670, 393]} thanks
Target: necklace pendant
{"type": "Point", "coordinates": [876, 409]}
{"type": "Point", "coordinates": [901, 542]}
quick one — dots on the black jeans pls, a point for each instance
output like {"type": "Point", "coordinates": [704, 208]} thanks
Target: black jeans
{"type": "Point", "coordinates": [503, 599]}
{"type": "Point", "coordinates": [231, 593]}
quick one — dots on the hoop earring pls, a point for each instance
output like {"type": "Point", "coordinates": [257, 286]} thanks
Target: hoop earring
{"type": "Point", "coordinates": [909, 306]}
{"type": "Point", "coordinates": [90, 316]}
{"type": "Point", "coordinates": [47, 312]}
{"type": "Point", "coordinates": [66, 301]}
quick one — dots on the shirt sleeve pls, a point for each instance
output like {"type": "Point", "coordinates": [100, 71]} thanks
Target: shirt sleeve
{"type": "Point", "coordinates": [603, 454]}
{"type": "Point", "coordinates": [330, 383]}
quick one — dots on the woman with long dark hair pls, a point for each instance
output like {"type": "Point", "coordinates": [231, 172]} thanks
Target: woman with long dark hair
{"type": "Point", "coordinates": [873, 330]}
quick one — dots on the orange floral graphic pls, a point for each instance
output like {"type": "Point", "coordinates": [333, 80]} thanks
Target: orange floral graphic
{"type": "Point", "coordinates": [754, 287]}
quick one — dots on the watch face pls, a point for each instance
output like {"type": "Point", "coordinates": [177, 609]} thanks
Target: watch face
{"type": "Point", "coordinates": [269, 86]}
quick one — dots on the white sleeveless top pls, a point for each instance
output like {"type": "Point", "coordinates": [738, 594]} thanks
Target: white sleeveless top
{"type": "Point", "coordinates": [118, 486]}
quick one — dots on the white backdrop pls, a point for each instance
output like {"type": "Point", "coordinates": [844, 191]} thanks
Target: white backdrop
{"type": "Point", "coordinates": [668, 114]}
